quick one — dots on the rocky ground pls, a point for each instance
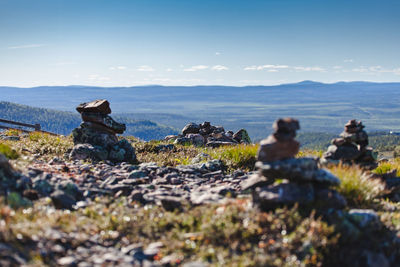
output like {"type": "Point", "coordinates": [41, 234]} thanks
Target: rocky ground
{"type": "Point", "coordinates": [180, 206]}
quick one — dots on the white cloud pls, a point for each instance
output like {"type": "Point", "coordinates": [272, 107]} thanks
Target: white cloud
{"type": "Point", "coordinates": [263, 67]}
{"type": "Point", "coordinates": [301, 68]}
{"type": "Point", "coordinates": [196, 68]}
{"type": "Point", "coordinates": [276, 68]}
{"type": "Point", "coordinates": [374, 70]}
{"type": "Point", "coordinates": [349, 60]}
{"type": "Point", "coordinates": [26, 46]}
{"type": "Point", "coordinates": [217, 53]}
{"type": "Point", "coordinates": [337, 67]}
{"type": "Point", "coordinates": [219, 68]}
{"type": "Point", "coordinates": [169, 70]}
{"type": "Point", "coordinates": [145, 68]}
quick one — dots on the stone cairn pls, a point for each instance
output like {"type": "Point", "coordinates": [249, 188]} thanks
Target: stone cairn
{"type": "Point", "coordinates": [351, 147]}
{"type": "Point", "coordinates": [301, 179]}
{"type": "Point", "coordinates": [96, 138]}
{"type": "Point", "coordinates": [205, 134]}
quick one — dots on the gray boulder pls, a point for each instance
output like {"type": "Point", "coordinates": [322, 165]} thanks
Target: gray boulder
{"type": "Point", "coordinates": [191, 128]}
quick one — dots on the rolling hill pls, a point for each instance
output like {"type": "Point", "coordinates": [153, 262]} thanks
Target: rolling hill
{"type": "Point", "coordinates": [319, 107]}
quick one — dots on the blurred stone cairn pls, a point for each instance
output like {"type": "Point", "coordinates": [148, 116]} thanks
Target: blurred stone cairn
{"type": "Point", "coordinates": [95, 139]}
{"type": "Point", "coordinates": [283, 179]}
{"type": "Point", "coordinates": [205, 134]}
{"type": "Point", "coordinates": [351, 147]}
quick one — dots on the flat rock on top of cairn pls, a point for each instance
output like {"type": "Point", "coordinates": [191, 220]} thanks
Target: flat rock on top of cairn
{"type": "Point", "coordinates": [101, 106]}
{"type": "Point", "coordinates": [281, 144]}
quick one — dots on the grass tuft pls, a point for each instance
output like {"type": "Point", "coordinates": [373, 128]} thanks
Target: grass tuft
{"type": "Point", "coordinates": [236, 157]}
{"type": "Point", "coordinates": [358, 189]}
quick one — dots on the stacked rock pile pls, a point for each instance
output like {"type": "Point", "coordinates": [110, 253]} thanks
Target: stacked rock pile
{"type": "Point", "coordinates": [205, 134]}
{"type": "Point", "coordinates": [351, 147]}
{"type": "Point", "coordinates": [303, 181]}
{"type": "Point", "coordinates": [96, 138]}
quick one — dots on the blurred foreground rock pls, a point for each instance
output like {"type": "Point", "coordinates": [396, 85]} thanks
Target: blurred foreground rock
{"type": "Point", "coordinates": [285, 180]}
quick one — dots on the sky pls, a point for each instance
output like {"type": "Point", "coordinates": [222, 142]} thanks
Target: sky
{"type": "Point", "coordinates": [193, 42]}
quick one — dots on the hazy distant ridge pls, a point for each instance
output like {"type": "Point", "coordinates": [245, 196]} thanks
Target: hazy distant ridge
{"type": "Point", "coordinates": [318, 106]}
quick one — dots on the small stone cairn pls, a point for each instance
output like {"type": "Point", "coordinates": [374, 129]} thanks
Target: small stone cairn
{"type": "Point", "coordinates": [205, 134]}
{"type": "Point", "coordinates": [96, 138]}
{"type": "Point", "coordinates": [300, 179]}
{"type": "Point", "coordinates": [351, 147]}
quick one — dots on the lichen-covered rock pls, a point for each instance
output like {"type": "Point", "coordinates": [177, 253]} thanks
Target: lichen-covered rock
{"type": "Point", "coordinates": [242, 137]}
{"type": "Point", "coordinates": [88, 152]}
{"type": "Point", "coordinates": [183, 141]}
{"type": "Point", "coordinates": [86, 134]}
{"type": "Point", "coordinates": [196, 139]}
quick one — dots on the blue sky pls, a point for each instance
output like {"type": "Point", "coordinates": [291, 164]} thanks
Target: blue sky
{"type": "Point", "coordinates": [171, 42]}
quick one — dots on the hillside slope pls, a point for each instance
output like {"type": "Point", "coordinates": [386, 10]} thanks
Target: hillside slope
{"type": "Point", "coordinates": [63, 122]}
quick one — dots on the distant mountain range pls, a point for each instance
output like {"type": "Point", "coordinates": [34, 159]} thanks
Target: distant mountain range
{"type": "Point", "coordinates": [319, 107]}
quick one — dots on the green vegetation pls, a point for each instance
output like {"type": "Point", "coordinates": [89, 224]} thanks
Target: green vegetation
{"type": "Point", "coordinates": [356, 187]}
{"type": "Point", "coordinates": [236, 157]}
{"type": "Point", "coordinates": [42, 145]}
{"type": "Point", "coordinates": [8, 151]}
{"type": "Point", "coordinates": [225, 235]}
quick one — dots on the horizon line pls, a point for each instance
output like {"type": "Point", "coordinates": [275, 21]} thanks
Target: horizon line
{"type": "Point", "coordinates": [202, 85]}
